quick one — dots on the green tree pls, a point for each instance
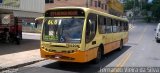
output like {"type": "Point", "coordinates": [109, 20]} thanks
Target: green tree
{"type": "Point", "coordinates": [130, 4]}
{"type": "Point", "coordinates": [143, 7]}
{"type": "Point", "coordinates": [146, 5]}
{"type": "Point", "coordinates": [146, 10]}
{"type": "Point", "coordinates": [155, 8]}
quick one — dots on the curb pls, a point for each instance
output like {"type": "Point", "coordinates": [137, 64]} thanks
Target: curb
{"type": "Point", "coordinates": [20, 65]}
{"type": "Point", "coordinates": [25, 33]}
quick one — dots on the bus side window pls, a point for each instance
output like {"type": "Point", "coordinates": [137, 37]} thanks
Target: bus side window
{"type": "Point", "coordinates": [126, 26]}
{"type": "Point", "coordinates": [114, 24]}
{"type": "Point", "coordinates": [101, 24]}
{"type": "Point", "coordinates": [118, 26]}
{"type": "Point", "coordinates": [121, 26]}
{"type": "Point", "coordinates": [91, 27]}
{"type": "Point", "coordinates": [108, 25]}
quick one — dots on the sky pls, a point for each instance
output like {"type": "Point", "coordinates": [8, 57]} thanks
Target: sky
{"type": "Point", "coordinates": [150, 0]}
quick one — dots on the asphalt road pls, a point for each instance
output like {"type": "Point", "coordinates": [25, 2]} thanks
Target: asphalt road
{"type": "Point", "coordinates": [142, 50]}
{"type": "Point", "coordinates": [29, 42]}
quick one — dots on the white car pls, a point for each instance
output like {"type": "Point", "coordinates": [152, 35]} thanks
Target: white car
{"type": "Point", "coordinates": [158, 33]}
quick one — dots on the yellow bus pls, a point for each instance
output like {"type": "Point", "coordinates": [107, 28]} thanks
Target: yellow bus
{"type": "Point", "coordinates": [79, 34]}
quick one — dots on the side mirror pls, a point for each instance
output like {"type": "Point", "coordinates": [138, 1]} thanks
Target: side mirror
{"type": "Point", "coordinates": [36, 23]}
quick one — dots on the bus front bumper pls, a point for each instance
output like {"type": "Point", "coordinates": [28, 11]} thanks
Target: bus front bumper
{"type": "Point", "coordinates": [78, 56]}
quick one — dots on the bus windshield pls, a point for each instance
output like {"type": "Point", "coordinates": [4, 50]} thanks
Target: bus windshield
{"type": "Point", "coordinates": [63, 30]}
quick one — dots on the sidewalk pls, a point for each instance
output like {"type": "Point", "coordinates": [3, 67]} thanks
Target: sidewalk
{"type": "Point", "coordinates": [19, 59]}
{"type": "Point", "coordinates": [13, 59]}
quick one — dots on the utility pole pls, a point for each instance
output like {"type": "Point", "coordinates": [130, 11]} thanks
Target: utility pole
{"type": "Point", "coordinates": [87, 1]}
{"type": "Point", "coordinates": [134, 8]}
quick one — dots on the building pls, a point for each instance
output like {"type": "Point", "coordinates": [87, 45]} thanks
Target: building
{"type": "Point", "coordinates": [25, 10]}
{"type": "Point", "coordinates": [110, 6]}
{"type": "Point", "coordinates": [115, 7]}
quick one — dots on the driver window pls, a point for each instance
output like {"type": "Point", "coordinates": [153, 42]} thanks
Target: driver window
{"type": "Point", "coordinates": [91, 27]}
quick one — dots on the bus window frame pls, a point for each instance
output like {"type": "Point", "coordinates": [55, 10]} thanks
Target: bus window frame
{"type": "Point", "coordinates": [90, 38]}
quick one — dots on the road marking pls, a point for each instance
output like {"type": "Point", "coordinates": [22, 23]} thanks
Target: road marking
{"type": "Point", "coordinates": [142, 35]}
{"type": "Point", "coordinates": [123, 60]}
{"type": "Point", "coordinates": [125, 56]}
{"type": "Point", "coordinates": [126, 59]}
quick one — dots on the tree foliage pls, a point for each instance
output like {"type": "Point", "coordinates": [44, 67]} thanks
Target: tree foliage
{"type": "Point", "coordinates": [155, 8]}
{"type": "Point", "coordinates": [145, 7]}
{"type": "Point", "coordinates": [130, 4]}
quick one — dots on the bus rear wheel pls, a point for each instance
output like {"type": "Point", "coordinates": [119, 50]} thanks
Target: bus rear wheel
{"type": "Point", "coordinates": [121, 45]}
{"type": "Point", "coordinates": [99, 56]}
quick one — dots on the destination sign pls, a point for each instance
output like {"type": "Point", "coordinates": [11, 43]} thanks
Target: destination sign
{"type": "Point", "coordinates": [66, 12]}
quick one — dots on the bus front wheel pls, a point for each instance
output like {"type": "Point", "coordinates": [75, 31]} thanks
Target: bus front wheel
{"type": "Point", "coordinates": [99, 56]}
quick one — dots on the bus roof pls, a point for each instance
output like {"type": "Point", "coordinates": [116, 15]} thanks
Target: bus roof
{"type": "Point", "coordinates": [89, 10]}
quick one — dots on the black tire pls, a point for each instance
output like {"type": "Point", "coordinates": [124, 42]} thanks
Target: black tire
{"type": "Point", "coordinates": [18, 41]}
{"type": "Point", "coordinates": [99, 56]}
{"type": "Point", "coordinates": [158, 41]}
{"type": "Point", "coordinates": [121, 45]}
